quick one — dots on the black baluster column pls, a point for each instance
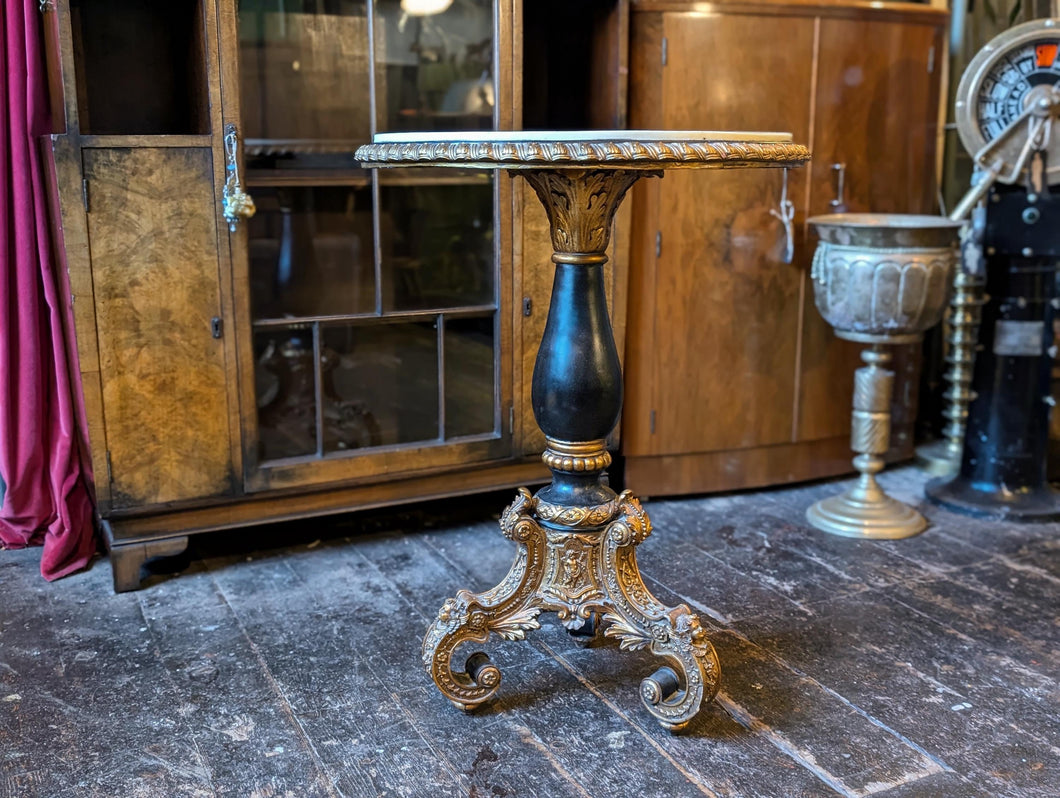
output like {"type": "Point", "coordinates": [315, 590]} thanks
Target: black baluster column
{"type": "Point", "coordinates": [577, 384]}
{"type": "Point", "coordinates": [1003, 467]}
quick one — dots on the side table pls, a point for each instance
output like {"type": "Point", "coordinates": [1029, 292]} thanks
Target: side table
{"type": "Point", "coordinates": [576, 538]}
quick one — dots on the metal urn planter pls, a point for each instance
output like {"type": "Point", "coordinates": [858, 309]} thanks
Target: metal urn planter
{"type": "Point", "coordinates": [878, 279]}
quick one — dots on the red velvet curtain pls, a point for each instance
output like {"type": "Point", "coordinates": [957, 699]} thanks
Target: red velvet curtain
{"type": "Point", "coordinates": [45, 495]}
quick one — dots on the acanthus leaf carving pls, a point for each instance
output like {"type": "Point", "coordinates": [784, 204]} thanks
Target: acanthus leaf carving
{"type": "Point", "coordinates": [634, 526]}
{"type": "Point", "coordinates": [630, 637]}
{"type": "Point", "coordinates": [517, 521]}
{"type": "Point", "coordinates": [581, 204]}
{"type": "Point", "coordinates": [568, 516]}
{"type": "Point", "coordinates": [516, 625]}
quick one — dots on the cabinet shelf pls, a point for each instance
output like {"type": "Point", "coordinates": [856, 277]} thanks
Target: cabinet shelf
{"type": "Point", "coordinates": [433, 177]}
{"type": "Point", "coordinates": [361, 178]}
{"type": "Point", "coordinates": [146, 140]}
{"type": "Point", "coordinates": [411, 446]}
{"type": "Point", "coordinates": [394, 316]}
{"type": "Point", "coordinates": [255, 147]}
{"type": "Point", "coordinates": [280, 178]}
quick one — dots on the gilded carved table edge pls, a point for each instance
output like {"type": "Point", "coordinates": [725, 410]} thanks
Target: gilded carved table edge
{"type": "Point", "coordinates": [646, 155]}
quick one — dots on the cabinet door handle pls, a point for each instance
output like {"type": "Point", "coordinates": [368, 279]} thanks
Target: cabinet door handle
{"type": "Point", "coordinates": [839, 173]}
{"type": "Point", "coordinates": [236, 203]}
{"type": "Point", "coordinates": [785, 212]}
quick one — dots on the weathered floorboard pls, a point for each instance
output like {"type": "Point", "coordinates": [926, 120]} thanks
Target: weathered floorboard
{"type": "Point", "coordinates": [285, 662]}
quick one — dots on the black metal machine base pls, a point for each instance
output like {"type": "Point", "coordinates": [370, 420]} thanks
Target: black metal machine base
{"type": "Point", "coordinates": [993, 502]}
{"type": "Point", "coordinates": [1003, 466]}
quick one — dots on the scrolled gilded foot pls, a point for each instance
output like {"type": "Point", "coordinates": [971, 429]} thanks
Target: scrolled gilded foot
{"type": "Point", "coordinates": [674, 693]}
{"type": "Point", "coordinates": [507, 610]}
{"type": "Point", "coordinates": [686, 646]}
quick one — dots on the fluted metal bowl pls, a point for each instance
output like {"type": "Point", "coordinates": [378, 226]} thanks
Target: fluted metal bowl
{"type": "Point", "coordinates": [883, 276]}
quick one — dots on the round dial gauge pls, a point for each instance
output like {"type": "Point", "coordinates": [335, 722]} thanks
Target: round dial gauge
{"type": "Point", "coordinates": [1015, 71]}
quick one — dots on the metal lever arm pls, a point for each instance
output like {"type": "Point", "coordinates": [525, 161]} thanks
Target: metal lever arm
{"type": "Point", "coordinates": [1037, 139]}
{"type": "Point", "coordinates": [976, 193]}
{"type": "Point", "coordinates": [1038, 133]}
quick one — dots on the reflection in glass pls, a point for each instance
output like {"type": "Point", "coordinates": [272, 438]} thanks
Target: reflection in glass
{"type": "Point", "coordinates": [437, 68]}
{"type": "Point", "coordinates": [352, 271]}
{"type": "Point", "coordinates": [284, 387]}
{"type": "Point", "coordinates": [303, 68]}
{"type": "Point", "coordinates": [469, 377]}
{"type": "Point", "coordinates": [380, 385]}
{"type": "Point", "coordinates": [311, 252]}
{"type": "Point", "coordinates": [439, 249]}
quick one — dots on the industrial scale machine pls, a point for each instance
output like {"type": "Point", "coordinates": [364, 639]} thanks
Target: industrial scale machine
{"type": "Point", "coordinates": [1007, 111]}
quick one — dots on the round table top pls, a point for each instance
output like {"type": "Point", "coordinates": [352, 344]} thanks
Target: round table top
{"type": "Point", "coordinates": [584, 149]}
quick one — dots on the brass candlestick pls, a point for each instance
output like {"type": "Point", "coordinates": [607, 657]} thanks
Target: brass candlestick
{"type": "Point", "coordinates": [576, 538]}
{"type": "Point", "coordinates": [878, 279]}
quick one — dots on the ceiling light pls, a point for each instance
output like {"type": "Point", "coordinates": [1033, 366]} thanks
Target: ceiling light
{"type": "Point", "coordinates": [424, 8]}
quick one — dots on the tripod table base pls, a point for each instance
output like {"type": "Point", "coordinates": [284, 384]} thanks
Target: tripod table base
{"type": "Point", "coordinates": [580, 563]}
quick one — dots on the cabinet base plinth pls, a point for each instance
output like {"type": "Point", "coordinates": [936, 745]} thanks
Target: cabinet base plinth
{"type": "Point", "coordinates": [127, 559]}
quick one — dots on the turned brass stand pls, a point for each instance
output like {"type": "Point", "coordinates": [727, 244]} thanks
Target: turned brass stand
{"type": "Point", "coordinates": [576, 538]}
{"type": "Point", "coordinates": [865, 510]}
{"type": "Point", "coordinates": [965, 314]}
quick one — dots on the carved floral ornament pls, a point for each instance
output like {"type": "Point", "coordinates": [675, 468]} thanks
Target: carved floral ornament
{"type": "Point", "coordinates": [578, 154]}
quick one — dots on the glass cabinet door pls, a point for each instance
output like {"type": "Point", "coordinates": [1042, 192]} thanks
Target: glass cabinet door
{"type": "Point", "coordinates": [373, 294]}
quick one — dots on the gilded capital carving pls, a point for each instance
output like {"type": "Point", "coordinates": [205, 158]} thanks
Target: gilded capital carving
{"type": "Point", "coordinates": [581, 204]}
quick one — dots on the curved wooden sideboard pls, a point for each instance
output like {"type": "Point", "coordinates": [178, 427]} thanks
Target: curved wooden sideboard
{"type": "Point", "coordinates": [733, 380]}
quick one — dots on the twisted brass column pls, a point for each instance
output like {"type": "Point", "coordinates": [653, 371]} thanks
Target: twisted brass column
{"type": "Point", "coordinates": [965, 315]}
{"type": "Point", "coordinates": [943, 457]}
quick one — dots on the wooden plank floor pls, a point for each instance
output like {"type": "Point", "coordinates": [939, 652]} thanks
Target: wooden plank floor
{"type": "Point", "coordinates": [926, 667]}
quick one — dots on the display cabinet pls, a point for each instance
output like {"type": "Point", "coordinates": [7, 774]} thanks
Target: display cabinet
{"type": "Point", "coordinates": [360, 339]}
{"type": "Point", "coordinates": [374, 301]}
